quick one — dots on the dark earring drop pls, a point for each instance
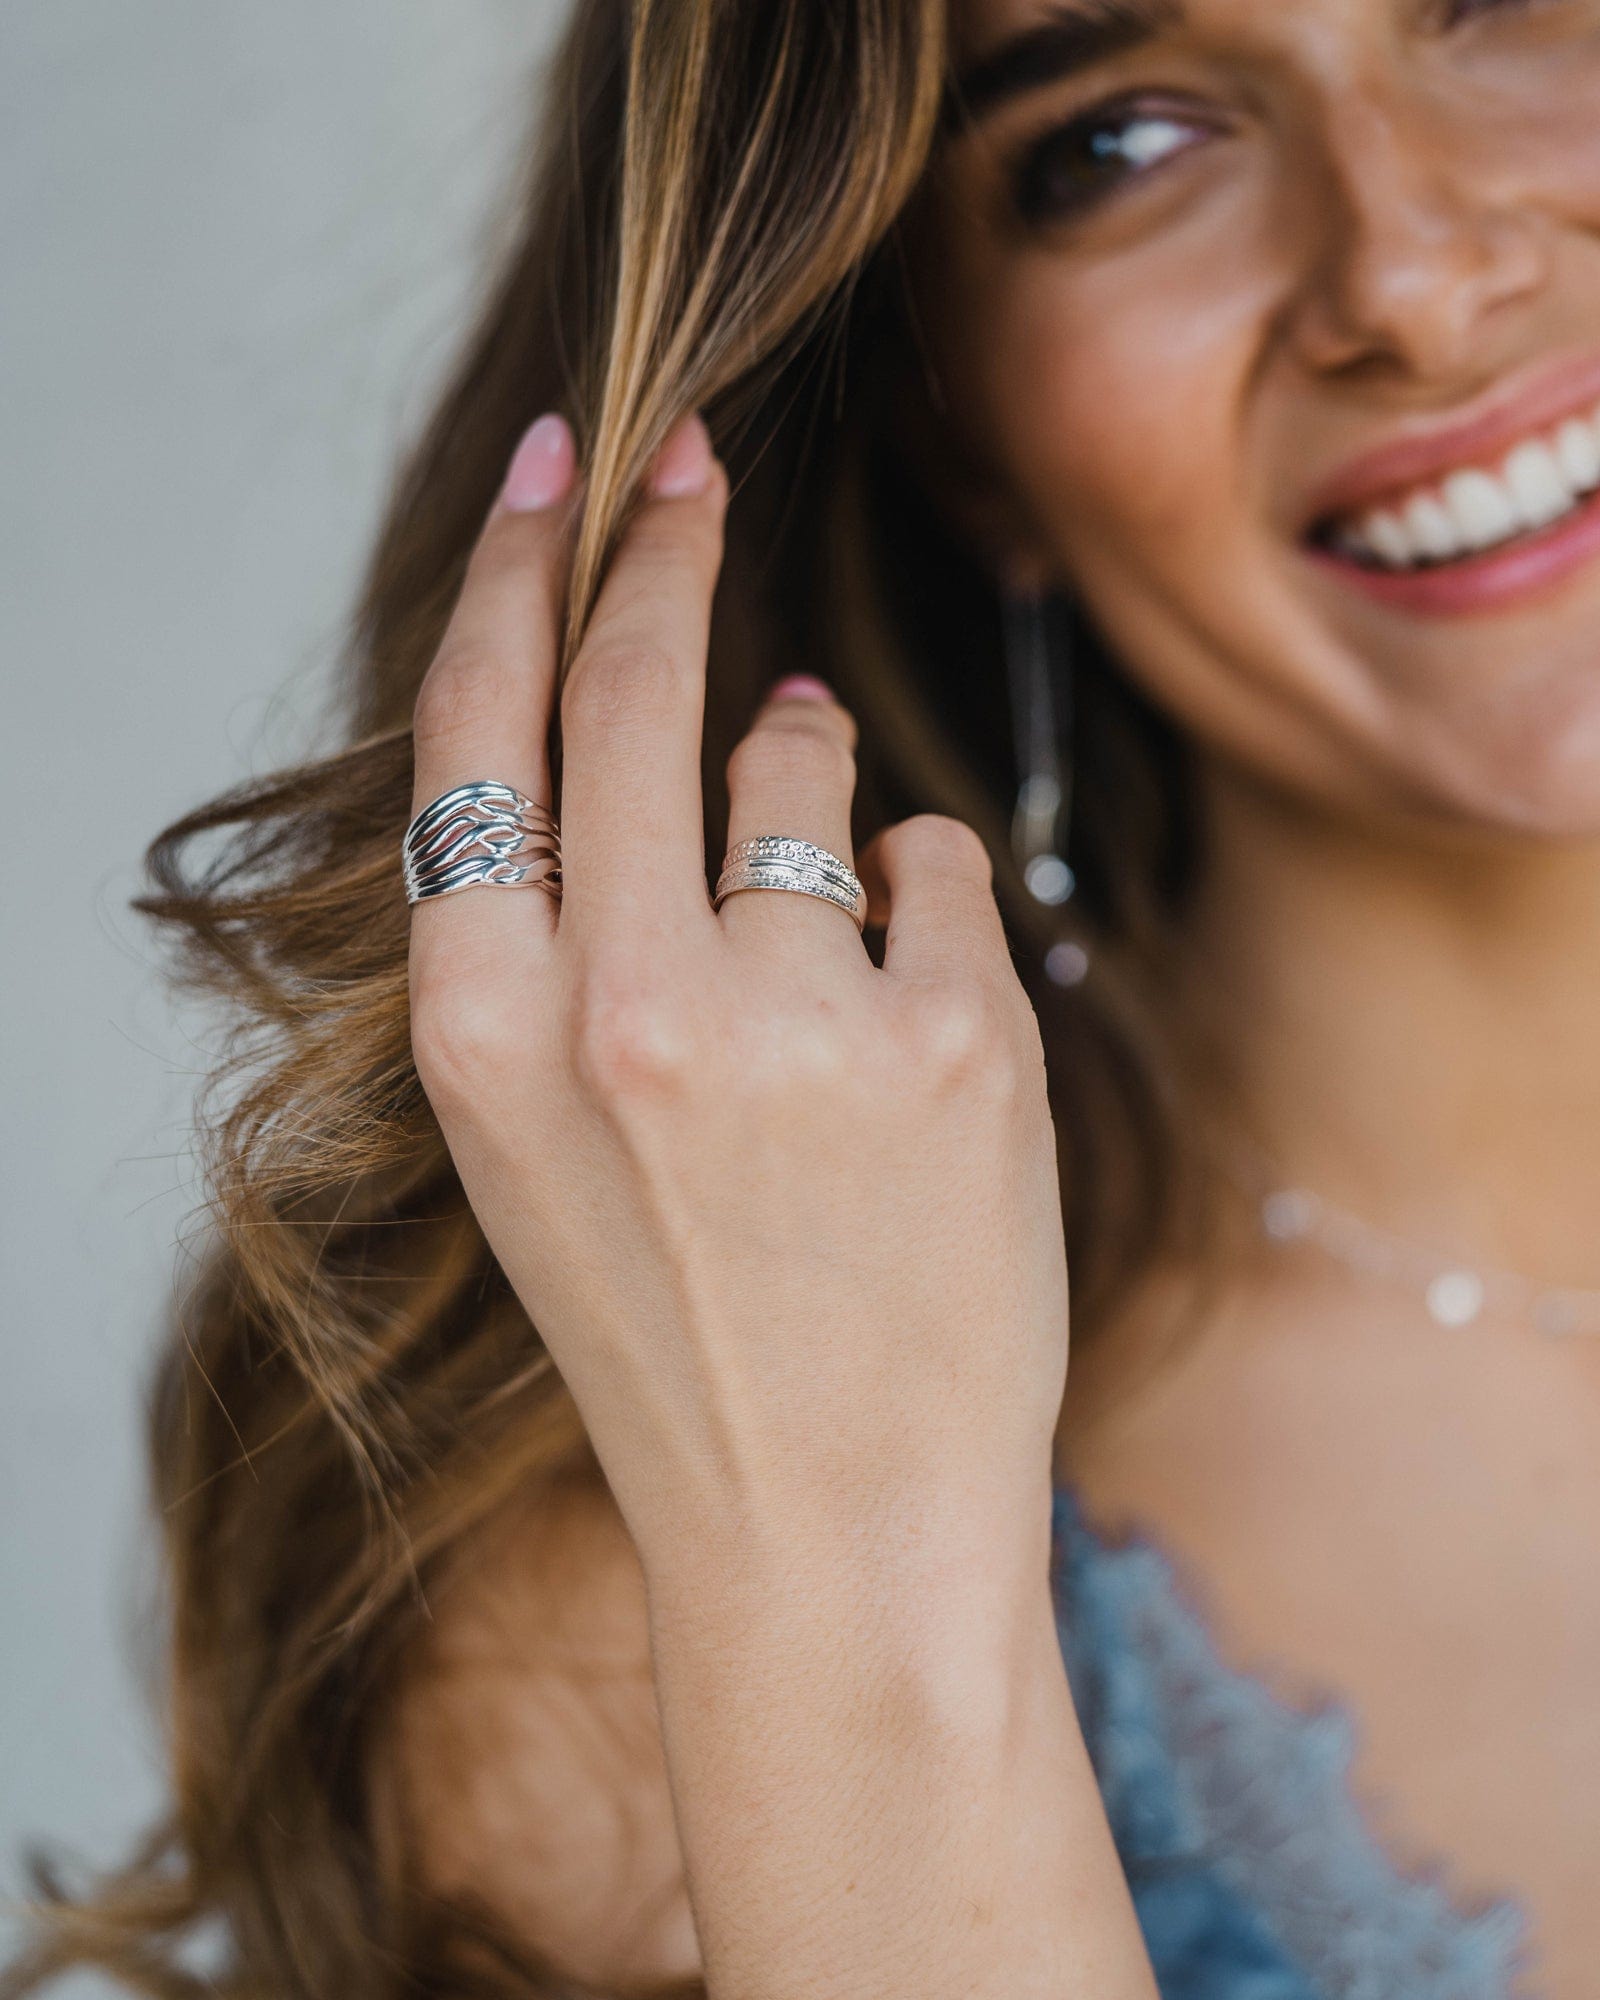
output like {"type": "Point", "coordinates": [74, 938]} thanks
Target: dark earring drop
{"type": "Point", "coordinates": [1039, 672]}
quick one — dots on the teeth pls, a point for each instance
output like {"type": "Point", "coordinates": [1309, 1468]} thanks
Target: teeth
{"type": "Point", "coordinates": [1538, 482]}
{"type": "Point", "coordinates": [1432, 527]}
{"type": "Point", "coordinates": [1388, 536]}
{"type": "Point", "coordinates": [1482, 508]}
{"type": "Point", "coordinates": [1539, 487]}
{"type": "Point", "coordinates": [1578, 452]}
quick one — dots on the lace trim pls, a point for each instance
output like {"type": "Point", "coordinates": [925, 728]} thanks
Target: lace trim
{"type": "Point", "coordinates": [1198, 1761]}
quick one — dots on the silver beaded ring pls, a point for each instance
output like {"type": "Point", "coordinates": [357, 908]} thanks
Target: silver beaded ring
{"type": "Point", "coordinates": [778, 861]}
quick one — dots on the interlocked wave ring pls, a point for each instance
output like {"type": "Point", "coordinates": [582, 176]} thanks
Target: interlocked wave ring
{"type": "Point", "coordinates": [482, 835]}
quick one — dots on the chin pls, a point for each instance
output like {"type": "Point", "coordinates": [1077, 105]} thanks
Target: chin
{"type": "Point", "coordinates": [1527, 764]}
{"type": "Point", "coordinates": [1486, 721]}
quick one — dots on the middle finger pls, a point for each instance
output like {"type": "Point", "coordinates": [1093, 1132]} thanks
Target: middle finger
{"type": "Point", "coordinates": [632, 817]}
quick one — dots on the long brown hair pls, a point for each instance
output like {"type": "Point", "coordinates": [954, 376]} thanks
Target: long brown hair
{"type": "Point", "coordinates": [711, 218]}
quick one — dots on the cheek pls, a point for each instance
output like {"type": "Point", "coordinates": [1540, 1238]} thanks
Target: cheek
{"type": "Point", "coordinates": [1124, 404]}
{"type": "Point", "coordinates": [1536, 129]}
{"type": "Point", "coordinates": [1116, 398]}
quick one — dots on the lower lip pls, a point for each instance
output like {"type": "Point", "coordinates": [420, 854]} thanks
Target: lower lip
{"type": "Point", "coordinates": [1494, 581]}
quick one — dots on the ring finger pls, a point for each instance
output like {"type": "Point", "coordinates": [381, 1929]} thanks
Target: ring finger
{"type": "Point", "coordinates": [793, 774]}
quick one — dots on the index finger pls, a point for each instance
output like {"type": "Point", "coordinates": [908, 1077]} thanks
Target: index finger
{"type": "Point", "coordinates": [484, 708]}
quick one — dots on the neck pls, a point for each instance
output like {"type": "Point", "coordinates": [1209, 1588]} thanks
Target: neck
{"type": "Point", "coordinates": [1411, 1030]}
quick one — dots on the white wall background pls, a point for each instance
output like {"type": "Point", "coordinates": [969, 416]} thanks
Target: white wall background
{"type": "Point", "coordinates": [236, 243]}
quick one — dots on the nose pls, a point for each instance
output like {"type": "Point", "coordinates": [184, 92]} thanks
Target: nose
{"type": "Point", "coordinates": [1417, 241]}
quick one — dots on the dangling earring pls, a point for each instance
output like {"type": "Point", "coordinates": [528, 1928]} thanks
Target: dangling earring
{"type": "Point", "coordinates": [1039, 669]}
{"type": "Point", "coordinates": [1038, 656]}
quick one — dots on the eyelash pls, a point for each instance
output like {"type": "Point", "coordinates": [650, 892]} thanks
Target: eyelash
{"type": "Point", "coordinates": [1039, 203]}
{"type": "Point", "coordinates": [1458, 11]}
{"type": "Point", "coordinates": [1040, 199]}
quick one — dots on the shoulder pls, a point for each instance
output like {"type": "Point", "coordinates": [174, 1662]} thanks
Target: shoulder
{"type": "Point", "coordinates": [523, 1765]}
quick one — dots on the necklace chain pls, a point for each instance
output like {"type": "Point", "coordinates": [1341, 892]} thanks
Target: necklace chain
{"type": "Point", "coordinates": [1453, 1292]}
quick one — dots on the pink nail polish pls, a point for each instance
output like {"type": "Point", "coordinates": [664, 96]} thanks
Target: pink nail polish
{"type": "Point", "coordinates": [683, 465]}
{"type": "Point", "coordinates": [541, 467]}
{"type": "Point", "coordinates": [800, 687]}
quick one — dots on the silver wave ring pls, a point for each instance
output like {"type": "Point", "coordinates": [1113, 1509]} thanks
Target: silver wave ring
{"type": "Point", "coordinates": [485, 834]}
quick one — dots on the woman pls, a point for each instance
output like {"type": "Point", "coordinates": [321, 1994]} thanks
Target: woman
{"type": "Point", "coordinates": [626, 1529]}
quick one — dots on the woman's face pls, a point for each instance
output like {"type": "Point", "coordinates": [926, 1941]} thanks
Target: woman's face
{"type": "Point", "coordinates": [1278, 325]}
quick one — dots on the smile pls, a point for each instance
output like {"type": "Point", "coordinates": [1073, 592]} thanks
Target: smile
{"type": "Point", "coordinates": [1542, 480]}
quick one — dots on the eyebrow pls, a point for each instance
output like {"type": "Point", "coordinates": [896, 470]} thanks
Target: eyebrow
{"type": "Point", "coordinates": [1074, 36]}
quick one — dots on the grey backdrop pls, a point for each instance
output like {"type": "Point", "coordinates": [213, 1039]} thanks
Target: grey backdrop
{"type": "Point", "coordinates": [237, 245]}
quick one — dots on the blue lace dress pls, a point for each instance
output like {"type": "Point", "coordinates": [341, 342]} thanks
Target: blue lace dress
{"type": "Point", "coordinates": [1254, 1872]}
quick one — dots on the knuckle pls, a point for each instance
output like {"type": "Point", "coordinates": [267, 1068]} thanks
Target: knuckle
{"type": "Point", "coordinates": [792, 756]}
{"type": "Point", "coordinates": [460, 1038]}
{"type": "Point", "coordinates": [960, 1034]}
{"type": "Point", "coordinates": [661, 548]}
{"type": "Point", "coordinates": [508, 546]}
{"type": "Point", "coordinates": [624, 681]}
{"type": "Point", "coordinates": [630, 1035]}
{"type": "Point", "coordinates": [665, 562]}
{"type": "Point", "coordinates": [941, 842]}
{"type": "Point", "coordinates": [465, 693]}
{"type": "Point", "coordinates": [673, 535]}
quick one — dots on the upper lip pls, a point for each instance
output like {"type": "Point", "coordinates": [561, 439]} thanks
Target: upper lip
{"type": "Point", "coordinates": [1476, 436]}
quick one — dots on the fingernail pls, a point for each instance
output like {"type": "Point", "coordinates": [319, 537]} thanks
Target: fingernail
{"type": "Point", "coordinates": [541, 467]}
{"type": "Point", "coordinates": [800, 687]}
{"type": "Point", "coordinates": [683, 464]}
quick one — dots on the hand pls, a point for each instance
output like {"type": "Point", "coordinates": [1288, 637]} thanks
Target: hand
{"type": "Point", "coordinates": [789, 1224]}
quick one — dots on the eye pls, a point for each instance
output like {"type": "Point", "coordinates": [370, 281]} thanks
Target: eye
{"type": "Point", "coordinates": [1082, 162]}
{"type": "Point", "coordinates": [1458, 12]}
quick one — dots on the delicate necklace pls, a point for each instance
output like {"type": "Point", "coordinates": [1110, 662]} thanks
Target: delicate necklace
{"type": "Point", "coordinates": [1454, 1293]}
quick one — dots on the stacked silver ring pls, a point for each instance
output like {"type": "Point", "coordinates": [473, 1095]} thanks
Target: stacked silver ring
{"type": "Point", "coordinates": [489, 834]}
{"type": "Point", "coordinates": [481, 834]}
{"type": "Point", "coordinates": [775, 861]}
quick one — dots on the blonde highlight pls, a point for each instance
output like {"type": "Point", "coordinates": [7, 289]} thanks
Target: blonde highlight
{"type": "Point", "coordinates": [351, 1389]}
